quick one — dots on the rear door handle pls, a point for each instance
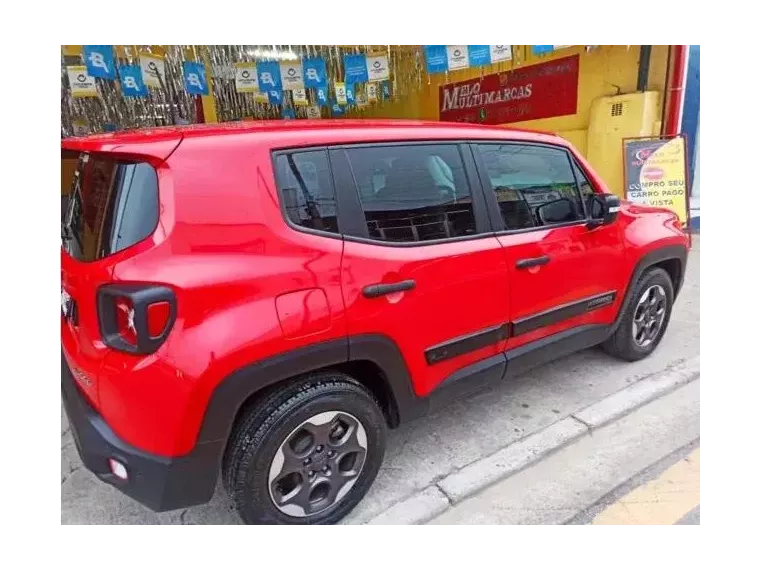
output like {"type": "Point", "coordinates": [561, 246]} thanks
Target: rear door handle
{"type": "Point", "coordinates": [532, 262]}
{"type": "Point", "coordinates": [380, 289]}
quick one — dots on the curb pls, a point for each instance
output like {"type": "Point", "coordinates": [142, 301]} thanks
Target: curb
{"type": "Point", "coordinates": [434, 499]}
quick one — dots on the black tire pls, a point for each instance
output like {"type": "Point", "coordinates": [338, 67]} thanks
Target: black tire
{"type": "Point", "coordinates": [267, 424]}
{"type": "Point", "coordinates": [622, 343]}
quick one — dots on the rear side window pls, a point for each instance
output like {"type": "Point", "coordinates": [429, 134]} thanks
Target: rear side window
{"type": "Point", "coordinates": [306, 189]}
{"type": "Point", "coordinates": [112, 204]}
{"type": "Point", "coordinates": [413, 193]}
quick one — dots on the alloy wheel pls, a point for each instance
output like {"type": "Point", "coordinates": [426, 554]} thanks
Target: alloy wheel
{"type": "Point", "coordinates": [317, 464]}
{"type": "Point", "coordinates": [649, 315]}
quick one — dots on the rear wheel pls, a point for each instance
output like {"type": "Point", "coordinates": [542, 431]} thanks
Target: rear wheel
{"type": "Point", "coordinates": [306, 454]}
{"type": "Point", "coordinates": [646, 318]}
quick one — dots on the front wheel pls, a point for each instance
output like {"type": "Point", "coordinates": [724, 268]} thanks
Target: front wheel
{"type": "Point", "coordinates": [307, 454]}
{"type": "Point", "coordinates": [646, 318]}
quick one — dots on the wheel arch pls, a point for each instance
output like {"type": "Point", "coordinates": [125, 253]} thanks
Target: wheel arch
{"type": "Point", "coordinates": [671, 258]}
{"type": "Point", "coordinates": [374, 361]}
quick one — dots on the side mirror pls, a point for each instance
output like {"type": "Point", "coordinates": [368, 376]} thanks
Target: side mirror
{"type": "Point", "coordinates": [603, 210]}
{"type": "Point", "coordinates": [556, 211]}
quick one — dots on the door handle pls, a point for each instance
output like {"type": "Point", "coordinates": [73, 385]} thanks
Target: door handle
{"type": "Point", "coordinates": [380, 289]}
{"type": "Point", "coordinates": [532, 262]}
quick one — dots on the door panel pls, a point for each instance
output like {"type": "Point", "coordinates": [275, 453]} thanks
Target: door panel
{"type": "Point", "coordinates": [459, 291]}
{"type": "Point", "coordinates": [560, 273]}
{"type": "Point", "coordinates": [580, 284]}
{"type": "Point", "coordinates": [420, 264]}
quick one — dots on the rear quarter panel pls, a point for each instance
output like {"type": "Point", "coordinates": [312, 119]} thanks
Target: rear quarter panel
{"type": "Point", "coordinates": [228, 255]}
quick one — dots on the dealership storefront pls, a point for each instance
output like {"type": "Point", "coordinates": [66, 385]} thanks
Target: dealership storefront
{"type": "Point", "coordinates": [594, 96]}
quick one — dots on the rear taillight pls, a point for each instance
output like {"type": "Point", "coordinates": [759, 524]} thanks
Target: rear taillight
{"type": "Point", "coordinates": [136, 318]}
{"type": "Point", "coordinates": [125, 320]}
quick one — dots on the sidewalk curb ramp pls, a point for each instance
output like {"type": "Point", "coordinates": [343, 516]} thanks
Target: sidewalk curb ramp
{"type": "Point", "coordinates": [453, 488]}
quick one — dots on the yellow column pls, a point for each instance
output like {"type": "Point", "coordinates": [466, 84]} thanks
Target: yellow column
{"type": "Point", "coordinates": [71, 50]}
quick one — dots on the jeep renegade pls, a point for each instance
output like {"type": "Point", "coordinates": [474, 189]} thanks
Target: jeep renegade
{"type": "Point", "coordinates": [261, 301]}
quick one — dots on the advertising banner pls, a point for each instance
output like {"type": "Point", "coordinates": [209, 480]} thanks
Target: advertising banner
{"type": "Point", "coordinates": [457, 57]}
{"type": "Point", "coordinates": [299, 97]}
{"type": "Point", "coordinates": [291, 73]}
{"type": "Point", "coordinates": [355, 67]}
{"type": "Point", "coordinates": [82, 84]}
{"type": "Point", "coordinates": [269, 76]}
{"type": "Point", "coordinates": [377, 67]}
{"type": "Point", "coordinates": [246, 79]}
{"type": "Point", "coordinates": [130, 77]}
{"type": "Point", "coordinates": [340, 93]}
{"type": "Point", "coordinates": [99, 61]}
{"type": "Point", "coordinates": [315, 73]}
{"type": "Point", "coordinates": [436, 59]}
{"type": "Point", "coordinates": [533, 92]}
{"type": "Point", "coordinates": [655, 174]}
{"type": "Point", "coordinates": [195, 78]}
{"type": "Point", "coordinates": [153, 73]}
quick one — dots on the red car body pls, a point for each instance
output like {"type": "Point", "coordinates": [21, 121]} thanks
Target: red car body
{"type": "Point", "coordinates": [258, 301]}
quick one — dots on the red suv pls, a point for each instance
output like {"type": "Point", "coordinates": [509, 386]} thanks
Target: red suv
{"type": "Point", "coordinates": [263, 300]}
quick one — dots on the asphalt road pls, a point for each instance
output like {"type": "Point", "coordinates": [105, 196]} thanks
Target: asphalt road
{"type": "Point", "coordinates": [426, 450]}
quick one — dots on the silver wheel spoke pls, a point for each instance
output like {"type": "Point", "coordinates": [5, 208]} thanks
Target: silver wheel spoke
{"type": "Point", "coordinates": [317, 464]}
{"type": "Point", "coordinates": [649, 315]}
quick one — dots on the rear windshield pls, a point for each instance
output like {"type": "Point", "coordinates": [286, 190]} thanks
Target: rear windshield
{"type": "Point", "coordinates": [107, 204]}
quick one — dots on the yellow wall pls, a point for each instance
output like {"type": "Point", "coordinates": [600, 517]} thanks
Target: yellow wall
{"type": "Point", "coordinates": [602, 71]}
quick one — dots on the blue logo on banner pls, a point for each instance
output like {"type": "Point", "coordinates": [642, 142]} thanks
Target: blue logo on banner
{"type": "Point", "coordinates": [541, 50]}
{"type": "Point", "coordinates": [275, 96]}
{"type": "Point", "coordinates": [131, 81]}
{"type": "Point", "coordinates": [99, 61]}
{"type": "Point", "coordinates": [356, 68]}
{"type": "Point", "coordinates": [336, 109]}
{"type": "Point", "coordinates": [314, 72]}
{"type": "Point", "coordinates": [436, 59]}
{"type": "Point", "coordinates": [195, 78]}
{"type": "Point", "coordinates": [479, 55]}
{"type": "Point", "coordinates": [288, 113]}
{"type": "Point", "coordinates": [350, 97]}
{"type": "Point", "coordinates": [385, 88]}
{"type": "Point", "coordinates": [322, 95]}
{"type": "Point", "coordinates": [269, 76]}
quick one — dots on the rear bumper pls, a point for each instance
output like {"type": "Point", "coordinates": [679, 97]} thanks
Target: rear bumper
{"type": "Point", "coordinates": [160, 483]}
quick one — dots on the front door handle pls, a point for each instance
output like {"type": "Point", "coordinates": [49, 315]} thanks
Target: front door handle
{"type": "Point", "coordinates": [532, 262]}
{"type": "Point", "coordinates": [380, 289]}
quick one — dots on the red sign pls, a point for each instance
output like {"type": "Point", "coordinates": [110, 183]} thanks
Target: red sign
{"type": "Point", "coordinates": [534, 92]}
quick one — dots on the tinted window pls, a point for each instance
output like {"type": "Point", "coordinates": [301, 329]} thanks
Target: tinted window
{"type": "Point", "coordinates": [307, 190]}
{"type": "Point", "coordinates": [534, 185]}
{"type": "Point", "coordinates": [113, 204]}
{"type": "Point", "coordinates": [413, 193]}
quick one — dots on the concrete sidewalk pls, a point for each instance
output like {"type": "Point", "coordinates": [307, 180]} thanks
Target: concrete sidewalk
{"type": "Point", "coordinates": [556, 489]}
{"type": "Point", "coordinates": [430, 450]}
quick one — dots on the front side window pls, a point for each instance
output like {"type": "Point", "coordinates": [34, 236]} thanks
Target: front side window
{"type": "Point", "coordinates": [413, 193]}
{"type": "Point", "coordinates": [534, 185]}
{"type": "Point", "coordinates": [307, 190]}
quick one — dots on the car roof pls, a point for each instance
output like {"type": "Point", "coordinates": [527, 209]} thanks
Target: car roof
{"type": "Point", "coordinates": [292, 133]}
